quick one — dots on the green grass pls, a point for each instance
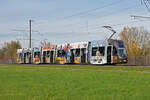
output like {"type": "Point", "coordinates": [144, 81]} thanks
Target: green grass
{"type": "Point", "coordinates": [67, 82]}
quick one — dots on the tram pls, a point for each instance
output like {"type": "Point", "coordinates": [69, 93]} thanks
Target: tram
{"type": "Point", "coordinates": [91, 52]}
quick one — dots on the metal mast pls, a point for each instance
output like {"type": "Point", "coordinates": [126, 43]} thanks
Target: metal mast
{"type": "Point", "coordinates": [30, 33]}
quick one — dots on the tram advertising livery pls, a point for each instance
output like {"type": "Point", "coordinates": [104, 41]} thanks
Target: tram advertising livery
{"type": "Point", "coordinates": [48, 54]}
{"type": "Point", "coordinates": [92, 52]}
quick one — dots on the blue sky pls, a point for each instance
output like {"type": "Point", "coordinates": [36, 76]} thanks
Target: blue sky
{"type": "Point", "coordinates": [52, 21]}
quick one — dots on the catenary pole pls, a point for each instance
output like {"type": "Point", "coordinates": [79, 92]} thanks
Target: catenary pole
{"type": "Point", "coordinates": [30, 33]}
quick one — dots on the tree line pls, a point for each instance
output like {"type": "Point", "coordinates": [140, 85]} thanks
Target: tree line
{"type": "Point", "coordinates": [8, 51]}
{"type": "Point", "coordinates": [137, 41]}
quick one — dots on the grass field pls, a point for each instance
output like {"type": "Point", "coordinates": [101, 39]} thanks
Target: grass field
{"type": "Point", "coordinates": [67, 82]}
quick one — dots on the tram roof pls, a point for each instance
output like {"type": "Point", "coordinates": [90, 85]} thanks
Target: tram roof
{"type": "Point", "coordinates": [19, 50]}
{"type": "Point", "coordinates": [79, 45]}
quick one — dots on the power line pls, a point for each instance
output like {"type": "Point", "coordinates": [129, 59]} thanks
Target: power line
{"type": "Point", "coordinates": [120, 24]}
{"type": "Point", "coordinates": [127, 8]}
{"type": "Point", "coordinates": [24, 30]}
{"type": "Point", "coordinates": [144, 1]}
{"type": "Point", "coordinates": [137, 17]}
{"type": "Point", "coordinates": [143, 17]}
{"type": "Point", "coordinates": [109, 14]}
{"type": "Point", "coordinates": [90, 10]}
{"type": "Point", "coordinates": [84, 12]}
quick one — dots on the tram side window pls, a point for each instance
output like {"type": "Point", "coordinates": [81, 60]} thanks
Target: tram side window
{"type": "Point", "coordinates": [94, 51]}
{"type": "Point", "coordinates": [60, 53]}
{"type": "Point", "coordinates": [63, 53]}
{"type": "Point", "coordinates": [19, 55]}
{"type": "Point", "coordinates": [36, 54]}
{"type": "Point", "coordinates": [114, 51]}
{"type": "Point", "coordinates": [102, 50]}
{"type": "Point", "coordinates": [28, 54]}
{"type": "Point", "coordinates": [77, 53]}
{"type": "Point", "coordinates": [48, 53]}
{"type": "Point", "coordinates": [39, 54]}
{"type": "Point", "coordinates": [44, 53]}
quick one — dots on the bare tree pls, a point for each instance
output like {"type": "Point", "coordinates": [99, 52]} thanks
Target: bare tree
{"type": "Point", "coordinates": [9, 50]}
{"type": "Point", "coordinates": [137, 41]}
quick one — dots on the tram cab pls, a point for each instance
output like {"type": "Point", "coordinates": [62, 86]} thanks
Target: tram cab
{"type": "Point", "coordinates": [119, 54]}
{"type": "Point", "coordinates": [107, 52]}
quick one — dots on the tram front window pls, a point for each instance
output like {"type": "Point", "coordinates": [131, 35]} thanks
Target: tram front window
{"type": "Point", "coordinates": [122, 53]}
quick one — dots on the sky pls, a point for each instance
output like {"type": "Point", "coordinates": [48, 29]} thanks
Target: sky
{"type": "Point", "coordinates": [62, 21]}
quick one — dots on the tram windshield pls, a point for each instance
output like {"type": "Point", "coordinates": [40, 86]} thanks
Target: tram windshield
{"type": "Point", "coordinates": [121, 49]}
{"type": "Point", "coordinates": [122, 52]}
{"type": "Point", "coordinates": [121, 44]}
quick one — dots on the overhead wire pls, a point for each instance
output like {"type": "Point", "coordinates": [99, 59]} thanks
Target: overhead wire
{"type": "Point", "coordinates": [110, 14]}
{"type": "Point", "coordinates": [144, 1]}
{"type": "Point", "coordinates": [85, 12]}
{"type": "Point", "coordinates": [94, 9]}
{"type": "Point", "coordinates": [106, 15]}
{"type": "Point", "coordinates": [90, 10]}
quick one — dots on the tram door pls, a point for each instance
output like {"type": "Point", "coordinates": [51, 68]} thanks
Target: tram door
{"type": "Point", "coordinates": [72, 56]}
{"type": "Point", "coordinates": [44, 57]}
{"type": "Point", "coordinates": [109, 54]}
{"type": "Point", "coordinates": [25, 58]}
{"type": "Point", "coordinates": [47, 57]}
{"type": "Point", "coordinates": [30, 58]}
{"type": "Point", "coordinates": [51, 56]}
{"type": "Point", "coordinates": [83, 55]}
